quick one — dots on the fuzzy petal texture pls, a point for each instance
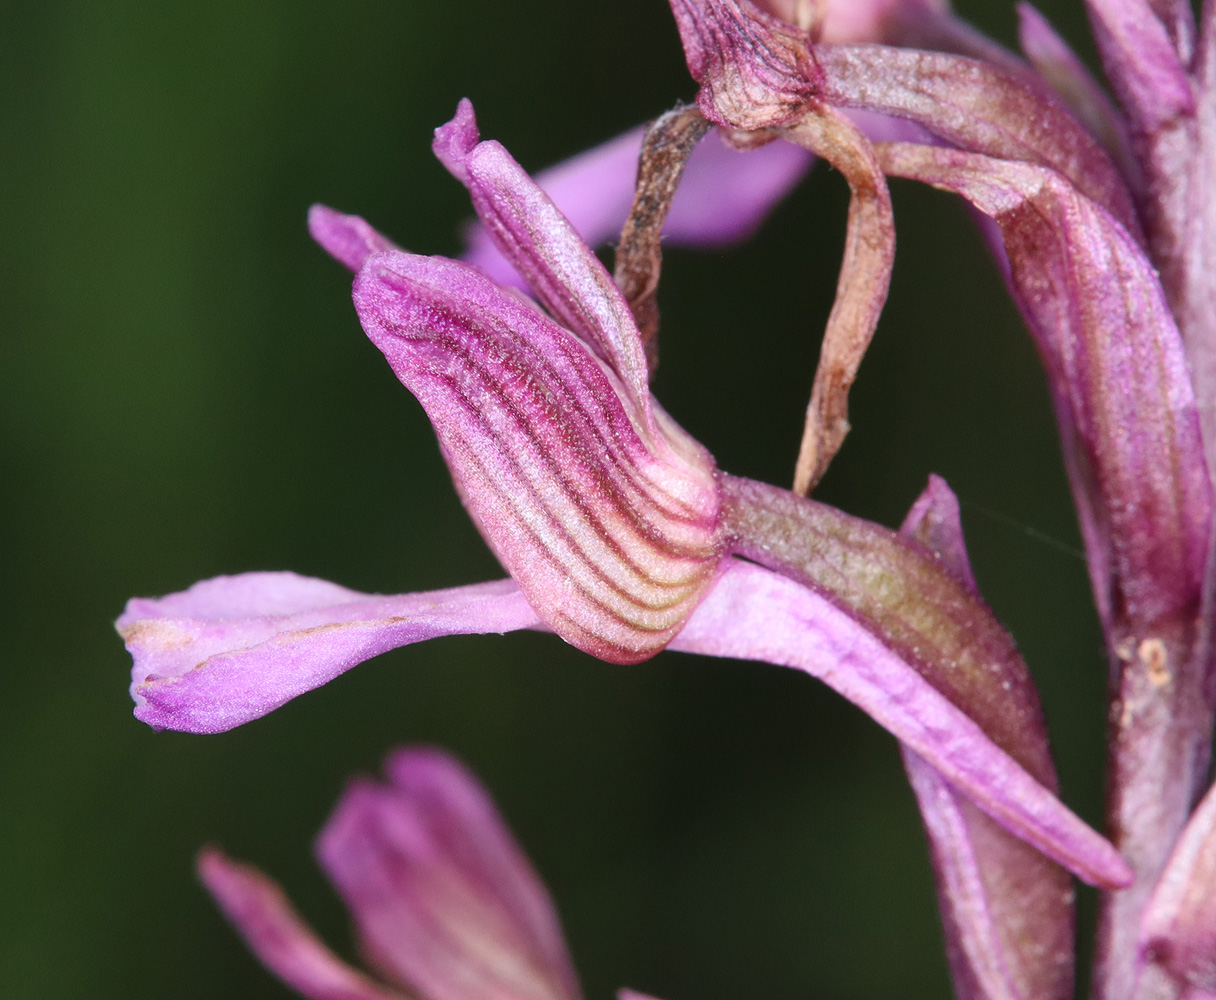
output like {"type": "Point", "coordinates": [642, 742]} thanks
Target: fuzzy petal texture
{"type": "Point", "coordinates": [755, 70]}
{"type": "Point", "coordinates": [233, 648]}
{"type": "Point", "coordinates": [541, 244]}
{"type": "Point", "coordinates": [978, 108]}
{"type": "Point", "coordinates": [1115, 361]}
{"type": "Point", "coordinates": [442, 897]}
{"type": "Point", "coordinates": [1006, 909]}
{"type": "Point", "coordinates": [1063, 69]}
{"type": "Point", "coordinates": [723, 196]}
{"type": "Point", "coordinates": [1178, 933]}
{"type": "Point", "coordinates": [1142, 64]}
{"type": "Point", "coordinates": [605, 516]}
{"type": "Point", "coordinates": [347, 238]}
{"type": "Point", "coordinates": [274, 932]}
{"type": "Point", "coordinates": [756, 614]}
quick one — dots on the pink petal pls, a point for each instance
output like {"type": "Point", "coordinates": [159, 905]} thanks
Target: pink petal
{"type": "Point", "coordinates": [442, 896]}
{"type": "Point", "coordinates": [1114, 356]}
{"type": "Point", "coordinates": [233, 648]}
{"type": "Point", "coordinates": [1178, 933]}
{"type": "Point", "coordinates": [275, 933]}
{"type": "Point", "coordinates": [976, 107]}
{"type": "Point", "coordinates": [723, 197]}
{"type": "Point", "coordinates": [610, 528]}
{"type": "Point", "coordinates": [755, 70]}
{"type": "Point", "coordinates": [1006, 909]}
{"type": "Point", "coordinates": [1068, 76]}
{"type": "Point", "coordinates": [755, 614]}
{"type": "Point", "coordinates": [546, 250]}
{"type": "Point", "coordinates": [1141, 62]}
{"type": "Point", "coordinates": [347, 238]}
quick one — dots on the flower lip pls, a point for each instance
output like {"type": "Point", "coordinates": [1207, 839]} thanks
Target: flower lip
{"type": "Point", "coordinates": [610, 528]}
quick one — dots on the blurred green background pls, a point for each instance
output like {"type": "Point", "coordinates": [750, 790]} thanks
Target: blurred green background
{"type": "Point", "coordinates": [184, 391]}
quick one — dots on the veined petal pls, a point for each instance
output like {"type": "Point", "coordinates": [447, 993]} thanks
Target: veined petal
{"type": "Point", "coordinates": [723, 196]}
{"type": "Point", "coordinates": [756, 614]}
{"type": "Point", "coordinates": [978, 108]}
{"type": "Point", "coordinates": [1006, 908]}
{"type": "Point", "coordinates": [610, 529]}
{"type": "Point", "coordinates": [755, 70]}
{"type": "Point", "coordinates": [1178, 933]}
{"type": "Point", "coordinates": [233, 648]}
{"type": "Point", "coordinates": [346, 238]}
{"type": "Point", "coordinates": [442, 897]}
{"type": "Point", "coordinates": [542, 245]}
{"type": "Point", "coordinates": [260, 911]}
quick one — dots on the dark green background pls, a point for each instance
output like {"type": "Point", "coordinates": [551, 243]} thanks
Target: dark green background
{"type": "Point", "coordinates": [185, 392]}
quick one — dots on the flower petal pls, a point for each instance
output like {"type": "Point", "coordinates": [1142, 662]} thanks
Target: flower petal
{"type": "Point", "coordinates": [442, 896]}
{"type": "Point", "coordinates": [1178, 933]}
{"type": "Point", "coordinates": [346, 238]}
{"type": "Point", "coordinates": [233, 648]}
{"type": "Point", "coordinates": [755, 70]}
{"type": "Point", "coordinates": [1141, 62]}
{"type": "Point", "coordinates": [1134, 454]}
{"type": "Point", "coordinates": [756, 614]}
{"type": "Point", "coordinates": [610, 529]}
{"type": "Point", "coordinates": [545, 249]}
{"type": "Point", "coordinates": [260, 911]}
{"type": "Point", "coordinates": [723, 196]}
{"type": "Point", "coordinates": [1006, 909]}
{"type": "Point", "coordinates": [976, 107]}
{"type": "Point", "coordinates": [1115, 360]}
{"type": "Point", "coordinates": [1063, 69]}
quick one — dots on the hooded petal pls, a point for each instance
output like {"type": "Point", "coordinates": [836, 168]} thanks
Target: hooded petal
{"type": "Point", "coordinates": [755, 70]}
{"type": "Point", "coordinates": [442, 897]}
{"type": "Point", "coordinates": [1006, 908]}
{"type": "Point", "coordinates": [546, 250]}
{"type": "Point", "coordinates": [723, 196]}
{"type": "Point", "coordinates": [756, 614]}
{"type": "Point", "coordinates": [1178, 933]}
{"type": "Point", "coordinates": [233, 648]}
{"type": "Point", "coordinates": [260, 911]}
{"type": "Point", "coordinates": [609, 527]}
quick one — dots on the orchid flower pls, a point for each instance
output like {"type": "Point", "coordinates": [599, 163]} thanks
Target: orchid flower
{"type": "Point", "coordinates": [619, 532]}
{"type": "Point", "coordinates": [445, 904]}
{"type": "Point", "coordinates": [1105, 224]}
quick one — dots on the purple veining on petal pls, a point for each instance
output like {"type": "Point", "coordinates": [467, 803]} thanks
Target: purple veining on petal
{"type": "Point", "coordinates": [753, 613]}
{"type": "Point", "coordinates": [755, 70]}
{"type": "Point", "coordinates": [260, 911]}
{"type": "Point", "coordinates": [1006, 909]}
{"type": "Point", "coordinates": [233, 648]}
{"type": "Point", "coordinates": [346, 238]}
{"type": "Point", "coordinates": [541, 244]}
{"type": "Point", "coordinates": [609, 526]}
{"type": "Point", "coordinates": [442, 897]}
{"type": "Point", "coordinates": [723, 197]}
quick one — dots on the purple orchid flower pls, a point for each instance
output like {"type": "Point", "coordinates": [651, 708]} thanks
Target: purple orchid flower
{"type": "Point", "coordinates": [445, 904]}
{"type": "Point", "coordinates": [619, 532]}
{"type": "Point", "coordinates": [1106, 228]}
